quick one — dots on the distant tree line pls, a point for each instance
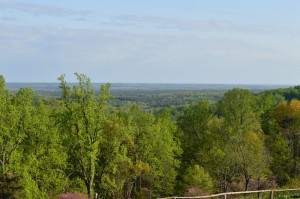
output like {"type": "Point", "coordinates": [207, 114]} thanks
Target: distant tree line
{"type": "Point", "coordinates": [164, 99]}
{"type": "Point", "coordinates": [81, 146]}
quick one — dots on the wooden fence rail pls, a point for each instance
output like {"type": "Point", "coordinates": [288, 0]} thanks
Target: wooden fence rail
{"type": "Point", "coordinates": [224, 195]}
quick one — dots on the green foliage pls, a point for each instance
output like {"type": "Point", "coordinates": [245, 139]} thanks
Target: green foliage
{"type": "Point", "coordinates": [155, 151]}
{"type": "Point", "coordinates": [113, 163]}
{"type": "Point", "coordinates": [286, 196]}
{"type": "Point", "coordinates": [80, 143]}
{"type": "Point", "coordinates": [31, 151]}
{"type": "Point", "coordinates": [81, 121]}
{"type": "Point", "coordinates": [31, 189]}
{"type": "Point", "coordinates": [195, 125]}
{"type": "Point", "coordinates": [287, 93]}
{"type": "Point", "coordinates": [236, 110]}
{"type": "Point", "coordinates": [163, 99]}
{"type": "Point", "coordinates": [197, 177]}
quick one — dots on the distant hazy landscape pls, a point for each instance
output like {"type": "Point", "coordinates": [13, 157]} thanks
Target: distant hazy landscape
{"type": "Point", "coordinates": [150, 96]}
{"type": "Point", "coordinates": [54, 87]}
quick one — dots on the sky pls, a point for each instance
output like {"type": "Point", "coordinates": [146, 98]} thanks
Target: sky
{"type": "Point", "coordinates": [157, 41]}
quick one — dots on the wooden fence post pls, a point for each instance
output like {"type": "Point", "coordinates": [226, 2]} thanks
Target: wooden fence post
{"type": "Point", "coordinates": [271, 194]}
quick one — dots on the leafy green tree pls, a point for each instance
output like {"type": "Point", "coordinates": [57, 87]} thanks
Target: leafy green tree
{"type": "Point", "coordinates": [82, 120]}
{"type": "Point", "coordinates": [221, 157]}
{"type": "Point", "coordinates": [168, 150]}
{"type": "Point", "coordinates": [11, 131]}
{"type": "Point", "coordinates": [287, 116]}
{"type": "Point", "coordinates": [43, 158]}
{"type": "Point", "coordinates": [196, 177]}
{"type": "Point", "coordinates": [252, 157]}
{"type": "Point", "coordinates": [236, 110]}
{"type": "Point", "coordinates": [195, 124]}
{"type": "Point", "coordinates": [20, 120]}
{"type": "Point", "coordinates": [113, 164]}
{"type": "Point", "coordinates": [281, 163]}
{"type": "Point", "coordinates": [155, 152]}
{"type": "Point", "coordinates": [243, 132]}
{"type": "Point", "coordinates": [11, 137]}
{"type": "Point", "coordinates": [31, 160]}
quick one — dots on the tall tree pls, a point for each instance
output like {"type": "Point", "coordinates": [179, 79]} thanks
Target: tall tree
{"type": "Point", "coordinates": [82, 120]}
{"type": "Point", "coordinates": [155, 154]}
{"type": "Point", "coordinates": [43, 158]}
{"type": "Point", "coordinates": [12, 134]}
{"type": "Point", "coordinates": [287, 115]}
{"type": "Point", "coordinates": [243, 132]}
{"type": "Point", "coordinates": [113, 164]}
{"type": "Point", "coordinates": [195, 127]}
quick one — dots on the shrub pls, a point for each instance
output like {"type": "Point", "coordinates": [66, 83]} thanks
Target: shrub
{"type": "Point", "coordinates": [196, 177]}
{"type": "Point", "coordinates": [75, 195]}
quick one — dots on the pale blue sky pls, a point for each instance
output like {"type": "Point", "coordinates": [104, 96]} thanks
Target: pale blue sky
{"type": "Point", "coordinates": [157, 41]}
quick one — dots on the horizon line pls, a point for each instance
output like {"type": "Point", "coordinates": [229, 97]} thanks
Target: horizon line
{"type": "Point", "coordinates": [155, 83]}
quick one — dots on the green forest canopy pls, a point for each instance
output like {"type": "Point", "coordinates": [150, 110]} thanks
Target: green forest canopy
{"type": "Point", "coordinates": [81, 143]}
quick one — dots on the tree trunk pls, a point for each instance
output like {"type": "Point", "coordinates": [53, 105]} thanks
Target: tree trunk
{"type": "Point", "coordinates": [247, 180]}
{"type": "Point", "coordinates": [89, 192]}
{"type": "Point", "coordinates": [224, 185]}
{"type": "Point", "coordinates": [92, 177]}
{"type": "Point", "coordinates": [128, 194]}
{"type": "Point", "coordinates": [89, 188]}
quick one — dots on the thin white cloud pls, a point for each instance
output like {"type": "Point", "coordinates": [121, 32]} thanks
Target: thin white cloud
{"type": "Point", "coordinates": [140, 57]}
{"type": "Point", "coordinates": [40, 9]}
{"type": "Point", "coordinates": [199, 25]}
{"type": "Point", "coordinates": [99, 46]}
